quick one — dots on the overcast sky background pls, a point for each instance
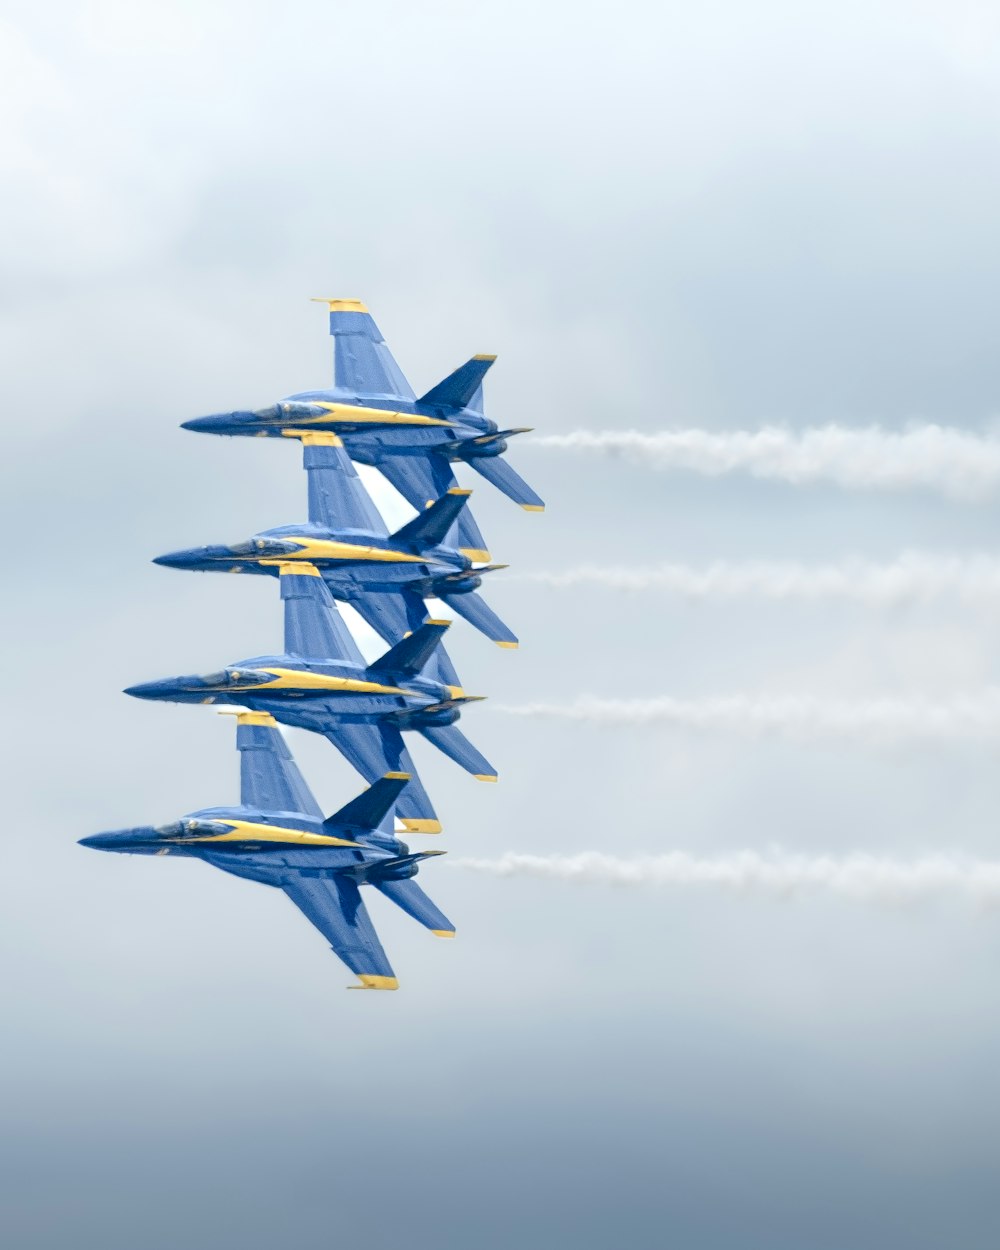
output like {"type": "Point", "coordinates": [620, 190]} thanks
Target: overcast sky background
{"type": "Point", "coordinates": [659, 215]}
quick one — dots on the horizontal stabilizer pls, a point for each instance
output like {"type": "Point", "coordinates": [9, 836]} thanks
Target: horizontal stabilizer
{"type": "Point", "coordinates": [428, 528]}
{"type": "Point", "coordinates": [410, 655]}
{"type": "Point", "coordinates": [377, 871]}
{"type": "Point", "coordinates": [412, 899]}
{"type": "Point", "coordinates": [460, 387]}
{"type": "Point", "coordinates": [369, 809]}
{"type": "Point", "coordinates": [478, 612]}
{"type": "Point", "coordinates": [496, 470]}
{"type": "Point", "coordinates": [454, 743]}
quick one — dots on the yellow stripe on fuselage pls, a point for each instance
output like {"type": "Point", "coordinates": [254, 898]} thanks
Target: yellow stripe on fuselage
{"type": "Point", "coordinates": [329, 549]}
{"type": "Point", "coordinates": [358, 414]}
{"type": "Point", "coordinates": [248, 831]}
{"type": "Point", "coordinates": [299, 679]}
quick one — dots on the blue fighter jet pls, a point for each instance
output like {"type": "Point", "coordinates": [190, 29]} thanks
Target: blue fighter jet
{"type": "Point", "coordinates": [278, 836]}
{"type": "Point", "coordinates": [384, 577]}
{"type": "Point", "coordinates": [413, 442]}
{"type": "Point", "coordinates": [323, 683]}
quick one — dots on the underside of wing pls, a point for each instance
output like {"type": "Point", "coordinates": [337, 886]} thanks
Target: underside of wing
{"type": "Point", "coordinates": [270, 780]}
{"type": "Point", "coordinates": [314, 627]}
{"type": "Point", "coordinates": [334, 906]}
{"type": "Point", "coordinates": [337, 498]}
{"type": "Point", "coordinates": [362, 362]}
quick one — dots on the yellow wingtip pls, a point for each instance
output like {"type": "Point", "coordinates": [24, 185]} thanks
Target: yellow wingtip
{"type": "Point", "coordinates": [533, 507]}
{"type": "Point", "coordinates": [510, 646]}
{"type": "Point", "coordinates": [484, 356]}
{"type": "Point", "coordinates": [420, 826]}
{"type": "Point", "coordinates": [485, 776]}
{"type": "Point", "coordinates": [248, 718]}
{"type": "Point", "coordinates": [318, 438]}
{"type": "Point", "coordinates": [375, 983]}
{"type": "Point", "coordinates": [476, 554]}
{"type": "Point", "coordinates": [449, 933]}
{"type": "Point", "coordinates": [339, 305]}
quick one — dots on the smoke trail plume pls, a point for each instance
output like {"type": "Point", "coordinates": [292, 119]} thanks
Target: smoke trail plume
{"type": "Point", "coordinates": [913, 577]}
{"type": "Point", "coordinates": [796, 717]}
{"type": "Point", "coordinates": [774, 874]}
{"type": "Point", "coordinates": [954, 461]}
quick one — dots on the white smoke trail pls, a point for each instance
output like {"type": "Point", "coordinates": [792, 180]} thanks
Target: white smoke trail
{"type": "Point", "coordinates": [913, 577]}
{"type": "Point", "coordinates": [775, 874]}
{"type": "Point", "coordinates": [957, 462]}
{"type": "Point", "coordinates": [798, 717]}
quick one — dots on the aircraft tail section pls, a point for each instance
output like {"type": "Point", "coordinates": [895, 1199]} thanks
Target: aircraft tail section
{"type": "Point", "coordinates": [496, 470]}
{"type": "Point", "coordinates": [421, 480]}
{"type": "Point", "coordinates": [428, 528]}
{"type": "Point", "coordinates": [375, 750]}
{"type": "Point", "coordinates": [370, 809]}
{"type": "Point", "coordinates": [454, 744]}
{"type": "Point", "coordinates": [474, 608]}
{"type": "Point", "coordinates": [461, 387]}
{"type": "Point", "coordinates": [410, 656]}
{"type": "Point", "coordinates": [412, 899]}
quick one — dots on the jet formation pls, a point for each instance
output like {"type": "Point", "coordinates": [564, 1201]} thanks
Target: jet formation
{"type": "Point", "coordinates": [319, 681]}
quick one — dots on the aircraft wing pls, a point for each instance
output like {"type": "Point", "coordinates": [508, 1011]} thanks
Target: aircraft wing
{"type": "Point", "coordinates": [423, 479]}
{"type": "Point", "coordinates": [375, 750]}
{"type": "Point", "coordinates": [313, 626]}
{"type": "Point", "coordinates": [270, 780]}
{"type": "Point", "coordinates": [362, 363]}
{"type": "Point", "coordinates": [337, 498]}
{"type": "Point", "coordinates": [334, 906]}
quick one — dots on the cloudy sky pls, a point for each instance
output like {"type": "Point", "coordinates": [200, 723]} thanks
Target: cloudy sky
{"type": "Point", "coordinates": [663, 217]}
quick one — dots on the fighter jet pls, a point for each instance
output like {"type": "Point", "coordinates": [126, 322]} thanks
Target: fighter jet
{"type": "Point", "coordinates": [322, 683]}
{"type": "Point", "coordinates": [278, 836]}
{"type": "Point", "coordinates": [384, 577]}
{"type": "Point", "coordinates": [413, 442]}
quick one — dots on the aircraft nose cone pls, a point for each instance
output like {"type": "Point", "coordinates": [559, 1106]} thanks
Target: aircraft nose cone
{"type": "Point", "coordinates": [210, 425]}
{"type": "Point", "coordinates": [231, 422]}
{"type": "Point", "coordinates": [190, 559]}
{"type": "Point", "coordinates": [119, 839]}
{"type": "Point", "coordinates": [151, 690]}
{"type": "Point", "coordinates": [96, 842]}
